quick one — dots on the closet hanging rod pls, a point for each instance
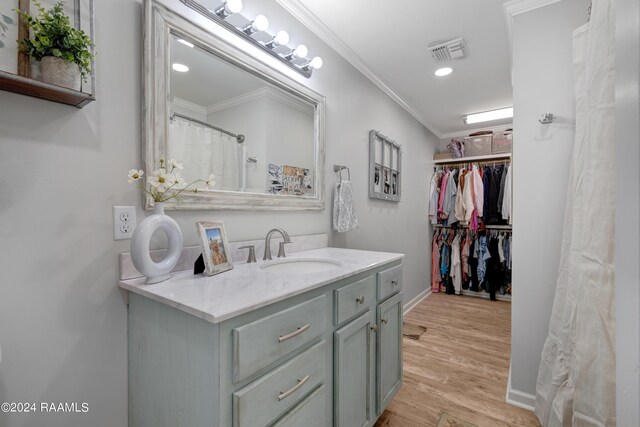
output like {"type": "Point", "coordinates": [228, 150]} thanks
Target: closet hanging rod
{"type": "Point", "coordinates": [483, 163]}
{"type": "Point", "coordinates": [466, 227]}
{"type": "Point", "coordinates": [238, 137]}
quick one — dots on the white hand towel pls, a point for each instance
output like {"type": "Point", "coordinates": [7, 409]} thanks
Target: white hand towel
{"type": "Point", "coordinates": [344, 215]}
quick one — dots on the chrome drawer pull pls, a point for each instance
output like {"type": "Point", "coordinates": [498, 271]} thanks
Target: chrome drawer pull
{"type": "Point", "coordinates": [297, 332]}
{"type": "Point", "coordinates": [394, 282]}
{"type": "Point", "coordinates": [384, 320]}
{"type": "Point", "coordinates": [360, 299]}
{"type": "Point", "coordinates": [285, 394]}
{"type": "Point", "coordinates": [374, 328]}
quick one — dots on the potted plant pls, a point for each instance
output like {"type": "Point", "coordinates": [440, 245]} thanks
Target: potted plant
{"type": "Point", "coordinates": [63, 50]}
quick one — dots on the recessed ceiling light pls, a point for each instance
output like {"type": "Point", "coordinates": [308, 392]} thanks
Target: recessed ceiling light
{"type": "Point", "coordinates": [487, 116]}
{"type": "Point", "coordinates": [184, 42]}
{"type": "Point", "coordinates": [180, 68]}
{"type": "Point", "coordinates": [444, 71]}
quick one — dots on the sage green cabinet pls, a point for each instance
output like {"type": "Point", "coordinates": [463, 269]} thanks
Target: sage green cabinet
{"type": "Point", "coordinates": [388, 351]}
{"type": "Point", "coordinates": [353, 350]}
{"type": "Point", "coordinates": [330, 356]}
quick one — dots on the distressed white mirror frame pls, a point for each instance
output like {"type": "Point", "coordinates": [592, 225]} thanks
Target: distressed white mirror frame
{"type": "Point", "coordinates": [165, 17]}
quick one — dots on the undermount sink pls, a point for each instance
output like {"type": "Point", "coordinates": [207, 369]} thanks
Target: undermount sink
{"type": "Point", "coordinates": [300, 265]}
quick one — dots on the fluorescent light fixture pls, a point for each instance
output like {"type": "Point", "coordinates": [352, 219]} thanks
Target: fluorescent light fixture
{"type": "Point", "coordinates": [184, 42]}
{"type": "Point", "coordinates": [180, 68]}
{"type": "Point", "coordinates": [487, 116]}
{"type": "Point", "coordinates": [444, 71]}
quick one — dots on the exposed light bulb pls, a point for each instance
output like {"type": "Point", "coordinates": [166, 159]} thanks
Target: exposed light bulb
{"type": "Point", "coordinates": [184, 42]}
{"type": "Point", "coordinates": [260, 23]}
{"type": "Point", "coordinates": [229, 8]}
{"type": "Point", "coordinates": [301, 51]}
{"type": "Point", "coordinates": [281, 38]}
{"type": "Point", "coordinates": [180, 67]}
{"type": "Point", "coordinates": [316, 63]}
{"type": "Point", "coordinates": [444, 71]}
{"type": "Point", "coordinates": [233, 6]}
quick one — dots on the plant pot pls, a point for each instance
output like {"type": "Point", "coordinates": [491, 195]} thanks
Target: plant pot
{"type": "Point", "coordinates": [59, 72]}
{"type": "Point", "coordinates": [140, 255]}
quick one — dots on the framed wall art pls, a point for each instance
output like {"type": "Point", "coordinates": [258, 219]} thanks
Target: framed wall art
{"type": "Point", "coordinates": [385, 167]}
{"type": "Point", "coordinates": [215, 247]}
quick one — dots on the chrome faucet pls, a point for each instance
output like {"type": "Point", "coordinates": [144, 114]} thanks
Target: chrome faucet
{"type": "Point", "coordinates": [267, 243]}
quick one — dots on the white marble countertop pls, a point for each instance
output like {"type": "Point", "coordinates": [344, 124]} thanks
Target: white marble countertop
{"type": "Point", "coordinates": [247, 287]}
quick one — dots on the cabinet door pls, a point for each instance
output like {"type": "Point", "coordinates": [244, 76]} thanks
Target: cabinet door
{"type": "Point", "coordinates": [352, 372]}
{"type": "Point", "coordinates": [388, 351]}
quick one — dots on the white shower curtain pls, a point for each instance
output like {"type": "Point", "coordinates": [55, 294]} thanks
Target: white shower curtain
{"type": "Point", "coordinates": [205, 151]}
{"type": "Point", "coordinates": [576, 379]}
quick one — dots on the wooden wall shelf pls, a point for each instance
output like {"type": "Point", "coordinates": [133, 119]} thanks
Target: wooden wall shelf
{"type": "Point", "coordinates": [38, 89]}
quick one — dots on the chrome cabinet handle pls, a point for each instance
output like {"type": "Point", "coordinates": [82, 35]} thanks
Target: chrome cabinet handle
{"type": "Point", "coordinates": [297, 332]}
{"type": "Point", "coordinates": [360, 299]}
{"type": "Point", "coordinates": [384, 320]}
{"type": "Point", "coordinates": [374, 328]}
{"type": "Point", "coordinates": [285, 394]}
{"type": "Point", "coordinates": [394, 282]}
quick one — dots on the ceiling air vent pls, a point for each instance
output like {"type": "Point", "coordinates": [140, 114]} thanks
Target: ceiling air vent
{"type": "Point", "coordinates": [447, 51]}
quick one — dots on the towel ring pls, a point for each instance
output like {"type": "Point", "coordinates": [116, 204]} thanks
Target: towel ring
{"type": "Point", "coordinates": [339, 169]}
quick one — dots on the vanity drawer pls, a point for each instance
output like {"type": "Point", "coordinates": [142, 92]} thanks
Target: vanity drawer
{"type": "Point", "coordinates": [267, 398]}
{"type": "Point", "coordinates": [260, 343]}
{"type": "Point", "coordinates": [389, 281]}
{"type": "Point", "coordinates": [311, 412]}
{"type": "Point", "coordinates": [354, 298]}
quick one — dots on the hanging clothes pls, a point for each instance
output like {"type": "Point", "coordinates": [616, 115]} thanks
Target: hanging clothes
{"type": "Point", "coordinates": [456, 265]}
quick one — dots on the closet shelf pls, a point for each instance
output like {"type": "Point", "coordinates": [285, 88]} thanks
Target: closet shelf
{"type": "Point", "coordinates": [473, 159]}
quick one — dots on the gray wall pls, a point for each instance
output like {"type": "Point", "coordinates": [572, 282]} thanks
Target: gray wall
{"type": "Point", "coordinates": [627, 213]}
{"type": "Point", "coordinates": [62, 318]}
{"type": "Point", "coordinates": [543, 82]}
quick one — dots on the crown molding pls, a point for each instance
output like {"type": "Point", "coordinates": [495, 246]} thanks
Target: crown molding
{"type": "Point", "coordinates": [188, 105]}
{"type": "Point", "coordinates": [315, 25]}
{"type": "Point", "coordinates": [517, 7]}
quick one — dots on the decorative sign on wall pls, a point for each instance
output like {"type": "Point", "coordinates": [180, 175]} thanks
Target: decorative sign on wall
{"type": "Point", "coordinates": [289, 180]}
{"type": "Point", "coordinates": [385, 167]}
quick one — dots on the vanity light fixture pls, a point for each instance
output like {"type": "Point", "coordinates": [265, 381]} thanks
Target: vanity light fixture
{"type": "Point", "coordinates": [228, 8]}
{"type": "Point", "coordinates": [186, 43]}
{"type": "Point", "coordinates": [181, 68]}
{"type": "Point", "coordinates": [444, 71]}
{"type": "Point", "coordinates": [280, 39]}
{"type": "Point", "coordinates": [259, 23]}
{"type": "Point", "coordinates": [487, 116]}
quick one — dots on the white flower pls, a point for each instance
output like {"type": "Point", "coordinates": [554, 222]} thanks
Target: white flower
{"type": "Point", "coordinates": [162, 180]}
{"type": "Point", "coordinates": [175, 165]}
{"type": "Point", "coordinates": [135, 175]}
{"type": "Point", "coordinates": [179, 180]}
{"type": "Point", "coordinates": [210, 182]}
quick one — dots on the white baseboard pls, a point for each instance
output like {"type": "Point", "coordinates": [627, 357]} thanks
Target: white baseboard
{"type": "Point", "coordinates": [417, 300]}
{"type": "Point", "coordinates": [517, 398]}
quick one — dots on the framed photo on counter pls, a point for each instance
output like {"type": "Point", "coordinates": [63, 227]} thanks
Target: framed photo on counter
{"type": "Point", "coordinates": [215, 247]}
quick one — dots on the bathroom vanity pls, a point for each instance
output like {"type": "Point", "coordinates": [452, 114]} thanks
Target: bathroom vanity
{"type": "Point", "coordinates": [314, 339]}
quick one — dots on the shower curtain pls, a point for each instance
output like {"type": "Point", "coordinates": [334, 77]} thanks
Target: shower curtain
{"type": "Point", "coordinates": [205, 151]}
{"type": "Point", "coordinates": [576, 379]}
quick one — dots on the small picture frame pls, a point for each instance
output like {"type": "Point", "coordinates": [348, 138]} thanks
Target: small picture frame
{"type": "Point", "coordinates": [215, 247]}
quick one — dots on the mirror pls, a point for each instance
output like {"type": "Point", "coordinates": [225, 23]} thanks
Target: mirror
{"type": "Point", "coordinates": [217, 109]}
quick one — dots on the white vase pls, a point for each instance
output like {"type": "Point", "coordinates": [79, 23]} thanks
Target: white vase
{"type": "Point", "coordinates": [140, 254]}
{"type": "Point", "coordinates": [59, 72]}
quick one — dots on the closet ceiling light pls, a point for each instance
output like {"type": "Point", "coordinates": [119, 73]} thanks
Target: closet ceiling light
{"type": "Point", "coordinates": [444, 71]}
{"type": "Point", "coordinates": [180, 68]}
{"type": "Point", "coordinates": [487, 116]}
{"type": "Point", "coordinates": [184, 42]}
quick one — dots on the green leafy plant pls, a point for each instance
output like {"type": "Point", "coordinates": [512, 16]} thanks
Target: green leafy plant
{"type": "Point", "coordinates": [53, 35]}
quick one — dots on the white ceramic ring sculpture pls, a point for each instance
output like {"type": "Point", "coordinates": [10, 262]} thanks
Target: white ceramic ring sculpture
{"type": "Point", "coordinates": [140, 254]}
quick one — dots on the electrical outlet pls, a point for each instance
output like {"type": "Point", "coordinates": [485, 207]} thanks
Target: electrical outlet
{"type": "Point", "coordinates": [124, 222]}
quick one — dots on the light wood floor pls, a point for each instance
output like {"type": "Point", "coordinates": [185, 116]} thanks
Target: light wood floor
{"type": "Point", "coordinates": [459, 366]}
